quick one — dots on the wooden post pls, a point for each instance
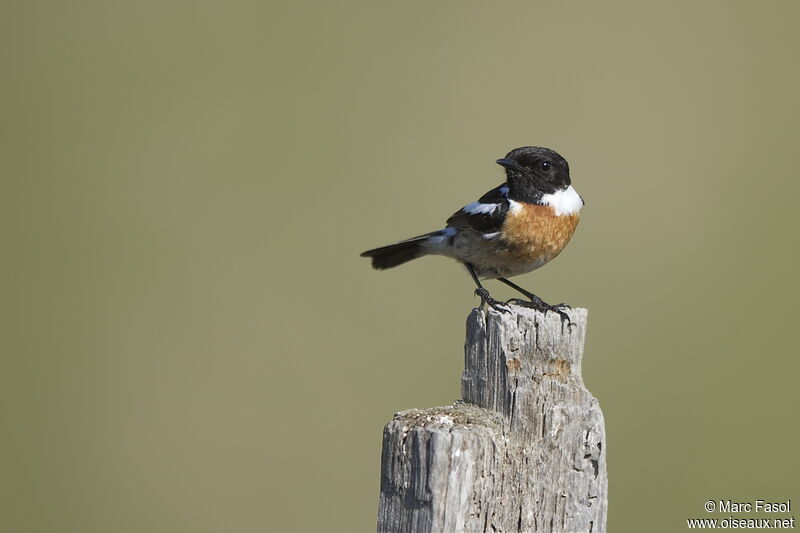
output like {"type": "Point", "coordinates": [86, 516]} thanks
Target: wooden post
{"type": "Point", "coordinates": [525, 450]}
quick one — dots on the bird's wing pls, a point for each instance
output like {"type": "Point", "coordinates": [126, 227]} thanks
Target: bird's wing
{"type": "Point", "coordinates": [486, 215]}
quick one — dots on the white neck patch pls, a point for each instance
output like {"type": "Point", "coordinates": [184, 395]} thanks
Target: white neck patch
{"type": "Point", "coordinates": [566, 202]}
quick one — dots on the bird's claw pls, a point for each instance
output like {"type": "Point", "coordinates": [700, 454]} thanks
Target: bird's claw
{"type": "Point", "coordinates": [491, 302]}
{"type": "Point", "coordinates": [544, 307]}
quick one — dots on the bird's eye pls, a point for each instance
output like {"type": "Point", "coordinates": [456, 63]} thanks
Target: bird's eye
{"type": "Point", "coordinates": [545, 165]}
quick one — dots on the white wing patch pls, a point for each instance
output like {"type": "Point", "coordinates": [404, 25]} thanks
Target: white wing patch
{"type": "Point", "coordinates": [566, 202]}
{"type": "Point", "coordinates": [477, 208]}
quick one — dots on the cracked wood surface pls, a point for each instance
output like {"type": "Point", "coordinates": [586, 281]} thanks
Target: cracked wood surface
{"type": "Point", "coordinates": [523, 452]}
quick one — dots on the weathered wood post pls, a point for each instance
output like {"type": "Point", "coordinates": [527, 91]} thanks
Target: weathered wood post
{"type": "Point", "coordinates": [524, 451]}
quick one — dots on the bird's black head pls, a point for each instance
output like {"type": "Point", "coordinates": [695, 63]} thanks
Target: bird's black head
{"type": "Point", "coordinates": [533, 171]}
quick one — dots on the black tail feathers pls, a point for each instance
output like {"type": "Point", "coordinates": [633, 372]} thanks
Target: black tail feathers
{"type": "Point", "coordinates": [399, 253]}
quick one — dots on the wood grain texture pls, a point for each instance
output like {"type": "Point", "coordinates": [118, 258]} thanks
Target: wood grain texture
{"type": "Point", "coordinates": [524, 451]}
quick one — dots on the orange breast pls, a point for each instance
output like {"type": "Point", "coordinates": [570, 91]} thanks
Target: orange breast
{"type": "Point", "coordinates": [536, 234]}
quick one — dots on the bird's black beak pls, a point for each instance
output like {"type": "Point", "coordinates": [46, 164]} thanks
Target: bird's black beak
{"type": "Point", "coordinates": [511, 165]}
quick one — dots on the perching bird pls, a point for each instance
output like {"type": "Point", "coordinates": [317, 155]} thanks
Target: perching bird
{"type": "Point", "coordinates": [513, 229]}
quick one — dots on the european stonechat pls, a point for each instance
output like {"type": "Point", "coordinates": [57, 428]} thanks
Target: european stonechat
{"type": "Point", "coordinates": [513, 229]}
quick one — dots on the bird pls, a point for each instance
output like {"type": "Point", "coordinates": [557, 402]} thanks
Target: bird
{"type": "Point", "coordinates": [515, 228]}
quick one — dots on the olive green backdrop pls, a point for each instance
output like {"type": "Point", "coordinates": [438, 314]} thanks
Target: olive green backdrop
{"type": "Point", "coordinates": [190, 341]}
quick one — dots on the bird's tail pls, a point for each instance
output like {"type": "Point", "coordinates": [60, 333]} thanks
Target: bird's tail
{"type": "Point", "coordinates": [402, 252]}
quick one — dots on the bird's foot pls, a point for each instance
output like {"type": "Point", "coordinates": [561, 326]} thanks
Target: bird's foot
{"type": "Point", "coordinates": [540, 305]}
{"type": "Point", "coordinates": [491, 302]}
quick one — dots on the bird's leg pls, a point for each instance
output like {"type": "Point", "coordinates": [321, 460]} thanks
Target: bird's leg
{"type": "Point", "coordinates": [484, 294]}
{"type": "Point", "coordinates": [537, 303]}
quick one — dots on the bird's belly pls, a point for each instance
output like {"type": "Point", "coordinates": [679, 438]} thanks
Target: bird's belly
{"type": "Point", "coordinates": [490, 266]}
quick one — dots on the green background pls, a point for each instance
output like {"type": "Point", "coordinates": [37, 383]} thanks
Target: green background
{"type": "Point", "coordinates": [190, 341]}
